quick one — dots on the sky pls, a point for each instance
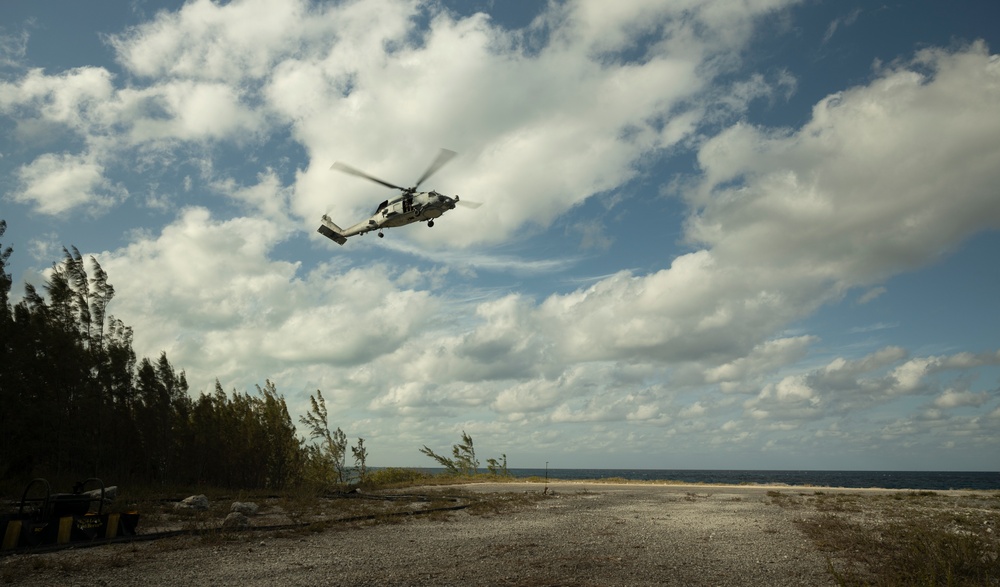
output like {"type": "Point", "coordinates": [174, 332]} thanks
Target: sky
{"type": "Point", "coordinates": [715, 234]}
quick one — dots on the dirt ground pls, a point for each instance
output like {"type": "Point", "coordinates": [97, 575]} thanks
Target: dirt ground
{"type": "Point", "coordinates": [565, 534]}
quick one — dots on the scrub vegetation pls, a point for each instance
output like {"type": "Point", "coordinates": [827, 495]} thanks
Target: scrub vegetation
{"type": "Point", "coordinates": [903, 538]}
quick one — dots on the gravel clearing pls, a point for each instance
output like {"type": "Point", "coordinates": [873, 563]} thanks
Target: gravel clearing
{"type": "Point", "coordinates": [581, 534]}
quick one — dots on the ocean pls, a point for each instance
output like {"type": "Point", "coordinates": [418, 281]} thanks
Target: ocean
{"type": "Point", "coordinates": [918, 480]}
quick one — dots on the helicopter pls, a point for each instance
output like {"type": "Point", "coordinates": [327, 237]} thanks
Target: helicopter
{"type": "Point", "coordinates": [409, 207]}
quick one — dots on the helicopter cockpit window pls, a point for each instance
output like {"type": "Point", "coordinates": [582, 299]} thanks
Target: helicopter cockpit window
{"type": "Point", "coordinates": [381, 206]}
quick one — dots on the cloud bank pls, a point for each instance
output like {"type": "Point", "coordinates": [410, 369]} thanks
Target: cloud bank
{"type": "Point", "coordinates": [884, 177]}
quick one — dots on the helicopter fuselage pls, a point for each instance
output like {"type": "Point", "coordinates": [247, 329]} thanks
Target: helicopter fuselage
{"type": "Point", "coordinates": [417, 207]}
{"type": "Point", "coordinates": [400, 211]}
{"type": "Point", "coordinates": [411, 206]}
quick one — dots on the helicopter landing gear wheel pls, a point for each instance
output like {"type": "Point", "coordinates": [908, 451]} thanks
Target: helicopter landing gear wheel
{"type": "Point", "coordinates": [430, 223]}
{"type": "Point", "coordinates": [380, 235]}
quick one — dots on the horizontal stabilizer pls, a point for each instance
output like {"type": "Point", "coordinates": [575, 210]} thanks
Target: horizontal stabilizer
{"type": "Point", "coordinates": [331, 231]}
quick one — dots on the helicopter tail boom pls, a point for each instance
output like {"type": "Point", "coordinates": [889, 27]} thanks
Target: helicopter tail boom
{"type": "Point", "coordinates": [331, 231]}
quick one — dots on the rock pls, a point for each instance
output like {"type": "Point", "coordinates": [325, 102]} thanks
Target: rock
{"type": "Point", "coordinates": [236, 521]}
{"type": "Point", "coordinates": [110, 493]}
{"type": "Point", "coordinates": [248, 508]}
{"type": "Point", "coordinates": [194, 502]}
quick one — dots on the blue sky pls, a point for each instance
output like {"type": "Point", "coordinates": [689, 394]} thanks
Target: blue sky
{"type": "Point", "coordinates": [715, 234]}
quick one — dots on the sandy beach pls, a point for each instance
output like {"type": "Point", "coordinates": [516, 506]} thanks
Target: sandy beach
{"type": "Point", "coordinates": [579, 534]}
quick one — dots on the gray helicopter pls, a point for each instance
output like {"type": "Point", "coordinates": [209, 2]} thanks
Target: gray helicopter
{"type": "Point", "coordinates": [409, 207]}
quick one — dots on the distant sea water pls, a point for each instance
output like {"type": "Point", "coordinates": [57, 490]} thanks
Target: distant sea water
{"type": "Point", "coordinates": [920, 480]}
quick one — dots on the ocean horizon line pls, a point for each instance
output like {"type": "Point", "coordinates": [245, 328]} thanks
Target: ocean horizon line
{"type": "Point", "coordinates": [854, 479]}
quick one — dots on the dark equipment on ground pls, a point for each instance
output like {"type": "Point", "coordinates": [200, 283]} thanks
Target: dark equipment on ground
{"type": "Point", "coordinates": [44, 518]}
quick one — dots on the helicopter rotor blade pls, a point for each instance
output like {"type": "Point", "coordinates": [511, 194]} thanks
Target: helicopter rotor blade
{"type": "Point", "coordinates": [357, 172]}
{"type": "Point", "coordinates": [469, 204]}
{"type": "Point", "coordinates": [444, 156]}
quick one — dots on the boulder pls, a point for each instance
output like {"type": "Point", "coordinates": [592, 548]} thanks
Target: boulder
{"type": "Point", "coordinates": [236, 521]}
{"type": "Point", "coordinates": [194, 502]}
{"type": "Point", "coordinates": [247, 508]}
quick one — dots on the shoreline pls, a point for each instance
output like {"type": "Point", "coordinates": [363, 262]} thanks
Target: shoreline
{"type": "Point", "coordinates": [911, 480]}
{"type": "Point", "coordinates": [605, 483]}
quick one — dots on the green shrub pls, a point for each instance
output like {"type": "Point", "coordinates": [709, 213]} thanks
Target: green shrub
{"type": "Point", "coordinates": [393, 476]}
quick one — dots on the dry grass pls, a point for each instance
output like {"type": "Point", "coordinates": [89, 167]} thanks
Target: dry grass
{"type": "Point", "coordinates": [905, 538]}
